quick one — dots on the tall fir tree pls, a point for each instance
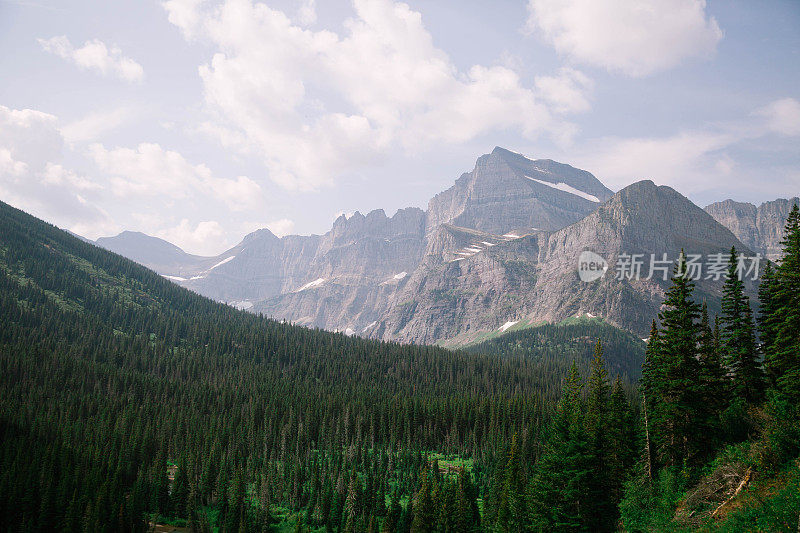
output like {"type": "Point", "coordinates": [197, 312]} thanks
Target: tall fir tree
{"type": "Point", "coordinates": [714, 387]}
{"type": "Point", "coordinates": [675, 390]}
{"type": "Point", "coordinates": [512, 512]}
{"type": "Point", "coordinates": [602, 514]}
{"type": "Point", "coordinates": [559, 494]}
{"type": "Point", "coordinates": [739, 348]}
{"type": "Point", "coordinates": [424, 507]}
{"type": "Point", "coordinates": [622, 441]}
{"type": "Point", "coordinates": [766, 310]}
{"type": "Point", "coordinates": [783, 354]}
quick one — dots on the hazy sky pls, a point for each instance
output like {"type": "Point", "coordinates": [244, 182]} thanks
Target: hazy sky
{"type": "Point", "coordinates": [199, 121]}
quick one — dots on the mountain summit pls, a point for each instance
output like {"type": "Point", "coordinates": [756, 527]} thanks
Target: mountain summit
{"type": "Point", "coordinates": [498, 249]}
{"type": "Point", "coordinates": [507, 191]}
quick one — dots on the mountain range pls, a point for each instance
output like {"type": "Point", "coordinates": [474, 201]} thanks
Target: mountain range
{"type": "Point", "coordinates": [496, 252]}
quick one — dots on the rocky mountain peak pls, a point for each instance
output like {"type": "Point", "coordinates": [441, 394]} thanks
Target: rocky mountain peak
{"type": "Point", "coordinates": [760, 228]}
{"type": "Point", "coordinates": [506, 190]}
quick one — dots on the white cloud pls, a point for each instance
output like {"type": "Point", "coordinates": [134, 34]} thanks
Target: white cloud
{"type": "Point", "coordinates": [307, 12]}
{"type": "Point", "coordinates": [636, 38]}
{"type": "Point", "coordinates": [147, 188]}
{"type": "Point", "coordinates": [184, 14]}
{"type": "Point", "coordinates": [32, 179]}
{"type": "Point", "coordinates": [150, 170]}
{"type": "Point", "coordinates": [9, 166]}
{"type": "Point", "coordinates": [782, 116]}
{"type": "Point", "coordinates": [315, 104]}
{"type": "Point", "coordinates": [95, 55]}
{"type": "Point", "coordinates": [700, 160]}
{"type": "Point", "coordinates": [206, 238]}
{"type": "Point", "coordinates": [96, 124]}
{"type": "Point", "coordinates": [281, 227]}
{"type": "Point", "coordinates": [568, 92]}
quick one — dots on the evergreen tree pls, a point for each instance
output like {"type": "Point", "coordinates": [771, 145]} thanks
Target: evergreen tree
{"type": "Point", "coordinates": [713, 385]}
{"type": "Point", "coordinates": [767, 308]}
{"type": "Point", "coordinates": [783, 354]}
{"type": "Point", "coordinates": [180, 491]}
{"type": "Point", "coordinates": [602, 512]}
{"type": "Point", "coordinates": [622, 441]}
{"type": "Point", "coordinates": [511, 514]}
{"type": "Point", "coordinates": [424, 511]}
{"type": "Point", "coordinates": [738, 337]}
{"type": "Point", "coordinates": [674, 391]}
{"type": "Point", "coordinates": [559, 490]}
{"type": "Point", "coordinates": [392, 519]}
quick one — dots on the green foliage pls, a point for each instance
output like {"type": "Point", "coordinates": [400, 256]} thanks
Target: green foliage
{"type": "Point", "coordinates": [781, 315]}
{"type": "Point", "coordinates": [650, 506]}
{"type": "Point", "coordinates": [555, 345]}
{"type": "Point", "coordinates": [738, 339]}
{"type": "Point", "coordinates": [682, 417]}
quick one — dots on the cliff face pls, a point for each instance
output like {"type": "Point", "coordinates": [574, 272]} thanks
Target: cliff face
{"type": "Point", "coordinates": [498, 247]}
{"type": "Point", "coordinates": [760, 228]}
{"type": "Point", "coordinates": [507, 191]}
{"type": "Point", "coordinates": [535, 277]}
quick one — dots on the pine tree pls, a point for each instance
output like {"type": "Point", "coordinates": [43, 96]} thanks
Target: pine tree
{"type": "Point", "coordinates": [767, 308]}
{"type": "Point", "coordinates": [559, 490]}
{"type": "Point", "coordinates": [602, 512]}
{"type": "Point", "coordinates": [466, 514]}
{"type": "Point", "coordinates": [674, 391]}
{"type": "Point", "coordinates": [180, 491]}
{"type": "Point", "coordinates": [424, 510]}
{"type": "Point", "coordinates": [392, 516]}
{"type": "Point", "coordinates": [738, 337]}
{"type": "Point", "coordinates": [713, 385]}
{"type": "Point", "coordinates": [783, 355]}
{"type": "Point", "coordinates": [649, 384]}
{"type": "Point", "coordinates": [621, 441]}
{"type": "Point", "coordinates": [511, 515]}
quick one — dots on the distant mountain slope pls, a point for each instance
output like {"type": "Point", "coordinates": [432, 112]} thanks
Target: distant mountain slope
{"type": "Point", "coordinates": [157, 254]}
{"type": "Point", "coordinates": [534, 277]}
{"type": "Point", "coordinates": [344, 280]}
{"type": "Point", "coordinates": [760, 228]}
{"type": "Point", "coordinates": [500, 245]}
{"type": "Point", "coordinates": [573, 339]}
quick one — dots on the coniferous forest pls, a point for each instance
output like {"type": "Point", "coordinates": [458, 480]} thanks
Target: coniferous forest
{"type": "Point", "coordinates": [130, 404]}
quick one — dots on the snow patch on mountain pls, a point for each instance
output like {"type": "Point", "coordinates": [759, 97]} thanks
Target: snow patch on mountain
{"type": "Point", "coordinates": [311, 284]}
{"type": "Point", "coordinates": [567, 188]}
{"type": "Point", "coordinates": [508, 324]}
{"type": "Point", "coordinates": [221, 263]}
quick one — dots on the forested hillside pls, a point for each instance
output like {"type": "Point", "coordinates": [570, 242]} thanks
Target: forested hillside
{"type": "Point", "coordinates": [128, 403]}
{"type": "Point", "coordinates": [573, 339]}
{"type": "Point", "coordinates": [126, 400]}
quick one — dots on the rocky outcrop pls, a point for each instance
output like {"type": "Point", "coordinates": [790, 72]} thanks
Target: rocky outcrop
{"type": "Point", "coordinates": [507, 191]}
{"type": "Point", "coordinates": [501, 246]}
{"type": "Point", "coordinates": [760, 228]}
{"type": "Point", "coordinates": [535, 277]}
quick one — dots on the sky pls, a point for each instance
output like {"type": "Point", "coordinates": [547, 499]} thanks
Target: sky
{"type": "Point", "coordinates": [200, 121]}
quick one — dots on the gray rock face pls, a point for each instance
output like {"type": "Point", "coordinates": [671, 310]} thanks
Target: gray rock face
{"type": "Point", "coordinates": [498, 247]}
{"type": "Point", "coordinates": [534, 277]}
{"type": "Point", "coordinates": [760, 228]}
{"type": "Point", "coordinates": [506, 191]}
